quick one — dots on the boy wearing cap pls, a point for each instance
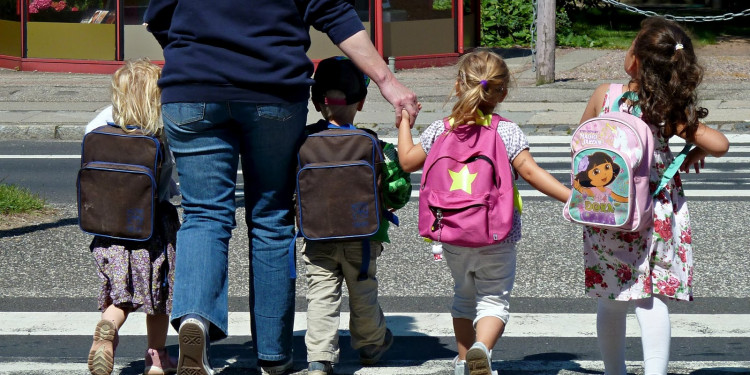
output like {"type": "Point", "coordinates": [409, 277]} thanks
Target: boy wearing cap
{"type": "Point", "coordinates": [338, 93]}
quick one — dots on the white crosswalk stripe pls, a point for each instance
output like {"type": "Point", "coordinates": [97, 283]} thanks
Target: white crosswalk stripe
{"type": "Point", "coordinates": [402, 324]}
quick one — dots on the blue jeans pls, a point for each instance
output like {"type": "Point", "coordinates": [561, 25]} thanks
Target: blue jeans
{"type": "Point", "coordinates": [207, 140]}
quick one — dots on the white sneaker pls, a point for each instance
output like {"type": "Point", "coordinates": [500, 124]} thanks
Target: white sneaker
{"type": "Point", "coordinates": [478, 360]}
{"type": "Point", "coordinates": [459, 366]}
{"type": "Point", "coordinates": [193, 340]}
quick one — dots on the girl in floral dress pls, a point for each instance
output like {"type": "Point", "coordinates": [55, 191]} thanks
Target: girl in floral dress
{"type": "Point", "coordinates": [655, 264]}
{"type": "Point", "coordinates": [138, 275]}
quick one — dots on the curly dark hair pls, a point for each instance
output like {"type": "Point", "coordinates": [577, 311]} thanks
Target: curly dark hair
{"type": "Point", "coordinates": [595, 159]}
{"type": "Point", "coordinates": [668, 77]}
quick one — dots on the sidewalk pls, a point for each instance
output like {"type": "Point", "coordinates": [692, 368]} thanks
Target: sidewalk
{"type": "Point", "coordinates": [46, 106]}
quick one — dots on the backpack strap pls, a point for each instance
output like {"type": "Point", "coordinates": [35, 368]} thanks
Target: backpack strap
{"type": "Point", "coordinates": [613, 97]}
{"type": "Point", "coordinates": [672, 169]}
{"type": "Point", "coordinates": [517, 200]}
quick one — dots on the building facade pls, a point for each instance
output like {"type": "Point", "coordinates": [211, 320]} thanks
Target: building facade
{"type": "Point", "coordinates": [96, 36]}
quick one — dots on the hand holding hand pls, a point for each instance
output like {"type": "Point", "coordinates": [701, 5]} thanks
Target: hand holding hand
{"type": "Point", "coordinates": [402, 98]}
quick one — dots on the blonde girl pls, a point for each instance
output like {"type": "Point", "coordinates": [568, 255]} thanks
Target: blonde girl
{"type": "Point", "coordinates": [483, 277]}
{"type": "Point", "coordinates": [137, 275]}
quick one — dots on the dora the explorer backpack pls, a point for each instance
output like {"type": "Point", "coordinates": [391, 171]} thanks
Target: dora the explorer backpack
{"type": "Point", "coordinates": [611, 168]}
{"type": "Point", "coordinates": [117, 182]}
{"type": "Point", "coordinates": [466, 194]}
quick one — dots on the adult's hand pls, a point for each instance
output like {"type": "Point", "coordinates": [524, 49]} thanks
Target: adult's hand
{"type": "Point", "coordinates": [401, 98]}
{"type": "Point", "coordinates": [360, 50]}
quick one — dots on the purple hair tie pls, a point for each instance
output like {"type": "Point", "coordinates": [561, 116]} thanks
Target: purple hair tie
{"type": "Point", "coordinates": [483, 83]}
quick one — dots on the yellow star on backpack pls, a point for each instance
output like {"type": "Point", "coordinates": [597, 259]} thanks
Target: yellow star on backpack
{"type": "Point", "coordinates": [462, 179]}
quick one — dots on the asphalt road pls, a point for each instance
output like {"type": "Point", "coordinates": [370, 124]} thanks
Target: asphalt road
{"type": "Point", "coordinates": [47, 268]}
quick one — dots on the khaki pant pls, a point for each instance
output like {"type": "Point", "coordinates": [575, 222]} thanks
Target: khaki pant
{"type": "Point", "coordinates": [328, 264]}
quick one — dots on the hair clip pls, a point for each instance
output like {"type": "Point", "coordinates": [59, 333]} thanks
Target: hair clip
{"type": "Point", "coordinates": [483, 83]}
{"type": "Point", "coordinates": [678, 46]}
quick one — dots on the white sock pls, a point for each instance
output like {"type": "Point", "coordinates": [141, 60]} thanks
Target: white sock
{"type": "Point", "coordinates": [198, 318]}
{"type": "Point", "coordinates": [653, 317]}
{"type": "Point", "coordinates": [610, 330]}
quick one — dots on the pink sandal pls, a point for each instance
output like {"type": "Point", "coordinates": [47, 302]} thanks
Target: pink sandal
{"type": "Point", "coordinates": [101, 359]}
{"type": "Point", "coordinates": [158, 362]}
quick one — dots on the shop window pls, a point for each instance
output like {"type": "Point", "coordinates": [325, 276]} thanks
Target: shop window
{"type": "Point", "coordinates": [418, 27]}
{"type": "Point", "coordinates": [10, 27]}
{"type": "Point", "coordinates": [71, 29]}
{"type": "Point", "coordinates": [72, 11]}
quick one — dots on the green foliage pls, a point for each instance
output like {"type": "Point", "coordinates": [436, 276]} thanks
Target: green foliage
{"type": "Point", "coordinates": [589, 23]}
{"type": "Point", "coordinates": [14, 199]}
{"type": "Point", "coordinates": [507, 23]}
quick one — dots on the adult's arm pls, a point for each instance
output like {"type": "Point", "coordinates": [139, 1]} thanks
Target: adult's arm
{"type": "Point", "coordinates": [158, 18]}
{"type": "Point", "coordinates": [360, 50]}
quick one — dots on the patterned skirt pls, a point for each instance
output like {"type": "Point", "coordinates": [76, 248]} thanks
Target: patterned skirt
{"type": "Point", "coordinates": [139, 274]}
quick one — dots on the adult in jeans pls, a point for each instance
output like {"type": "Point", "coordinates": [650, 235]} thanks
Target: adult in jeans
{"type": "Point", "coordinates": [235, 84]}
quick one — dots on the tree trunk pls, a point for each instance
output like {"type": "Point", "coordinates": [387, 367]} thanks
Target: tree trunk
{"type": "Point", "coordinates": [545, 42]}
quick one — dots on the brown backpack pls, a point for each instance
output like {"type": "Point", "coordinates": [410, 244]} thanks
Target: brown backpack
{"type": "Point", "coordinates": [117, 182]}
{"type": "Point", "coordinates": [339, 178]}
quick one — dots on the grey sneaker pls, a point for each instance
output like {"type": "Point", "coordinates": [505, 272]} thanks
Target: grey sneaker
{"type": "Point", "coordinates": [478, 360]}
{"type": "Point", "coordinates": [276, 369]}
{"type": "Point", "coordinates": [370, 354]}
{"type": "Point", "coordinates": [193, 340]}
{"type": "Point", "coordinates": [320, 368]}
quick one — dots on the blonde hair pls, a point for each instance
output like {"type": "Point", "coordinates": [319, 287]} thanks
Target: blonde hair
{"type": "Point", "coordinates": [482, 82]}
{"type": "Point", "coordinates": [136, 99]}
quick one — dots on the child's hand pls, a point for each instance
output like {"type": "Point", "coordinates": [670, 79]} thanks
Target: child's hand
{"type": "Point", "coordinates": [405, 119]}
{"type": "Point", "coordinates": [696, 157]}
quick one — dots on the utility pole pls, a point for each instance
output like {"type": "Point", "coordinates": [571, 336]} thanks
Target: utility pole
{"type": "Point", "coordinates": [545, 42]}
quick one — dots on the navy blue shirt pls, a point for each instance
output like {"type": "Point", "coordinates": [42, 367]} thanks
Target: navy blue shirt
{"type": "Point", "coordinates": [243, 50]}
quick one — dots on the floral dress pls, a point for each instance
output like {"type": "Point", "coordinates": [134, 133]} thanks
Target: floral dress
{"type": "Point", "coordinates": [137, 275]}
{"type": "Point", "coordinates": [657, 260]}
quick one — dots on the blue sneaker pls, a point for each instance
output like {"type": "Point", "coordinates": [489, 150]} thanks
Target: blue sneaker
{"type": "Point", "coordinates": [320, 368]}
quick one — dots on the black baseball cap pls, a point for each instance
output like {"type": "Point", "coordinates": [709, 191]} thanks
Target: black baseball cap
{"type": "Point", "coordinates": [339, 73]}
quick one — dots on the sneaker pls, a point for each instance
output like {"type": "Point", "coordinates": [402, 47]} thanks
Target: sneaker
{"type": "Point", "coordinates": [459, 366]}
{"type": "Point", "coordinates": [370, 354]}
{"type": "Point", "coordinates": [158, 362]}
{"type": "Point", "coordinates": [320, 368]}
{"type": "Point", "coordinates": [101, 359]}
{"type": "Point", "coordinates": [193, 340]}
{"type": "Point", "coordinates": [478, 360]}
{"type": "Point", "coordinates": [274, 367]}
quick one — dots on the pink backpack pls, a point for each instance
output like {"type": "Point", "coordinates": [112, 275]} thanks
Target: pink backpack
{"type": "Point", "coordinates": [466, 194]}
{"type": "Point", "coordinates": [621, 198]}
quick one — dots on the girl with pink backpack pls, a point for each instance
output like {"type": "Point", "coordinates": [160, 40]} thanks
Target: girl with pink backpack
{"type": "Point", "coordinates": [649, 265]}
{"type": "Point", "coordinates": [465, 181]}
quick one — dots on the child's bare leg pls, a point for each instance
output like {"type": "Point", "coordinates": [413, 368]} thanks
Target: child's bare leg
{"type": "Point", "coordinates": [157, 326]}
{"type": "Point", "coordinates": [465, 336]}
{"type": "Point", "coordinates": [489, 329]}
{"type": "Point", "coordinates": [116, 315]}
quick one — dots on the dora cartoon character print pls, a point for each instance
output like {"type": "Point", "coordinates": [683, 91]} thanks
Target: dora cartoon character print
{"type": "Point", "coordinates": [611, 165]}
{"type": "Point", "coordinates": [598, 202]}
